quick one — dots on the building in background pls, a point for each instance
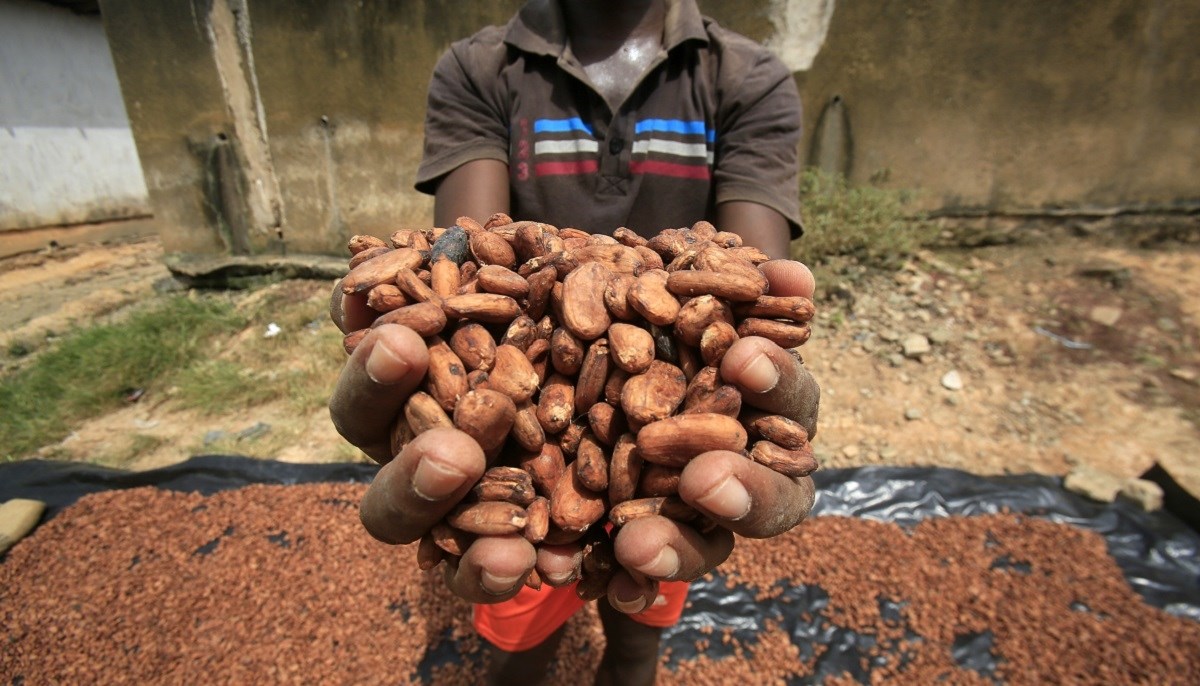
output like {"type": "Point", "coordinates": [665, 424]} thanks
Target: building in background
{"type": "Point", "coordinates": [272, 128]}
{"type": "Point", "coordinates": [67, 153]}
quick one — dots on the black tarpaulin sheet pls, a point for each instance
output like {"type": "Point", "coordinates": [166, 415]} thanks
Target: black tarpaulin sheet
{"type": "Point", "coordinates": [1158, 554]}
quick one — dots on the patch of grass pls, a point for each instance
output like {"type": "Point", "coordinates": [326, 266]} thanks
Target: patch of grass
{"type": "Point", "coordinates": [298, 366]}
{"type": "Point", "coordinates": [871, 226]}
{"type": "Point", "coordinates": [88, 372]}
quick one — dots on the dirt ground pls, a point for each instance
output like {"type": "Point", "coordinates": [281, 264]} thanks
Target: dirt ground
{"type": "Point", "coordinates": [1041, 356]}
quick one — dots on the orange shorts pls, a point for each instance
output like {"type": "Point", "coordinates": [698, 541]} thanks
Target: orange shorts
{"type": "Point", "coordinates": [531, 616]}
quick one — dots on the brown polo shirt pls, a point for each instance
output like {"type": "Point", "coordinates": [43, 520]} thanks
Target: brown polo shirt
{"type": "Point", "coordinates": [716, 118]}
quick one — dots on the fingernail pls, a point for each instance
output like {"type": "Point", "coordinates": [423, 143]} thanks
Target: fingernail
{"type": "Point", "coordinates": [630, 606]}
{"type": "Point", "coordinates": [729, 500]}
{"type": "Point", "coordinates": [384, 366]}
{"type": "Point", "coordinates": [760, 375]}
{"type": "Point", "coordinates": [434, 480]}
{"type": "Point", "coordinates": [560, 579]}
{"type": "Point", "coordinates": [664, 566]}
{"type": "Point", "coordinates": [497, 585]}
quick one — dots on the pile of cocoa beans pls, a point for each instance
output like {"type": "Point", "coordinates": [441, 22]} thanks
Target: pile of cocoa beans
{"type": "Point", "coordinates": [586, 367]}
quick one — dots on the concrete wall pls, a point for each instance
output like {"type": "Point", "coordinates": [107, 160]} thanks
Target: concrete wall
{"type": "Point", "coordinates": [1020, 105]}
{"type": "Point", "coordinates": [67, 155]}
{"type": "Point", "coordinates": [284, 126]}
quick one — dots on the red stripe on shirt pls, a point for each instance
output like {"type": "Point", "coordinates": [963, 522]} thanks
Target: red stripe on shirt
{"type": "Point", "coordinates": [576, 167]}
{"type": "Point", "coordinates": [686, 171]}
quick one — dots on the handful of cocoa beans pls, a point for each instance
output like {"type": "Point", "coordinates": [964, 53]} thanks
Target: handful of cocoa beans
{"type": "Point", "coordinates": [585, 366]}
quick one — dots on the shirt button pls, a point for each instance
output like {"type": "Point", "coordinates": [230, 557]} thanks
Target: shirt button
{"type": "Point", "coordinates": [615, 145]}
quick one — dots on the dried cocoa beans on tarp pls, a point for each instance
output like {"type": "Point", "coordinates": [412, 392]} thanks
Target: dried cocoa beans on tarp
{"type": "Point", "coordinates": [586, 367]}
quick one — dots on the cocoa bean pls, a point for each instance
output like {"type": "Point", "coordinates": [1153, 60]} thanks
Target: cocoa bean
{"type": "Point", "coordinates": [489, 248]}
{"type": "Point", "coordinates": [674, 441]}
{"type": "Point", "coordinates": [583, 310]}
{"type": "Point", "coordinates": [715, 259]}
{"type": "Point", "coordinates": [488, 308]}
{"type": "Point", "coordinates": [556, 404]}
{"type": "Point", "coordinates": [415, 288]}
{"type": "Point", "coordinates": [445, 277]}
{"type": "Point", "coordinates": [650, 259]}
{"type": "Point", "coordinates": [658, 480]}
{"type": "Point", "coordinates": [409, 238]}
{"type": "Point", "coordinates": [351, 340]}
{"type": "Point", "coordinates": [653, 395]}
{"type": "Point", "coordinates": [425, 318]}
{"type": "Point", "coordinates": [424, 413]}
{"type": "Point", "coordinates": [487, 416]}
{"type": "Point", "coordinates": [566, 352]}
{"type": "Point", "coordinates": [386, 297]}
{"type": "Point", "coordinates": [380, 269]}
{"type": "Point", "coordinates": [428, 553]}
{"type": "Point", "coordinates": [545, 467]}
{"type": "Point", "coordinates": [651, 299]}
{"type": "Point", "coordinates": [607, 422]}
{"type": "Point", "coordinates": [591, 463]}
{"type": "Point", "coordinates": [520, 333]}
{"type": "Point", "coordinates": [796, 309]}
{"type": "Point", "coordinates": [729, 286]}
{"type": "Point", "coordinates": [631, 347]}
{"type": "Point", "coordinates": [783, 334]}
{"type": "Point", "coordinates": [593, 374]}
{"type": "Point", "coordinates": [697, 314]}
{"type": "Point", "coordinates": [671, 507]}
{"type": "Point", "coordinates": [507, 484]}
{"type": "Point", "coordinates": [451, 540]}
{"type": "Point", "coordinates": [793, 463]}
{"type": "Point", "coordinates": [574, 507]}
{"type": "Point", "coordinates": [496, 279]}
{"type": "Point", "coordinates": [779, 430]}
{"type": "Point", "coordinates": [537, 514]}
{"type": "Point", "coordinates": [362, 242]}
{"type": "Point", "coordinates": [446, 379]}
{"type": "Point", "coordinates": [527, 430]}
{"type": "Point", "coordinates": [628, 237]}
{"type": "Point", "coordinates": [474, 346]}
{"type": "Point", "coordinates": [715, 341]}
{"type": "Point", "coordinates": [624, 470]}
{"type": "Point", "coordinates": [616, 297]}
{"type": "Point", "coordinates": [488, 518]}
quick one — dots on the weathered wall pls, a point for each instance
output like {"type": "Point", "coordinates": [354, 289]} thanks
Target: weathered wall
{"type": "Point", "coordinates": [66, 152]}
{"type": "Point", "coordinates": [272, 126]}
{"type": "Point", "coordinates": [1020, 105]}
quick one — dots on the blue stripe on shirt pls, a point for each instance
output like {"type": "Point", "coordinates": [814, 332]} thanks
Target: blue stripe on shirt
{"type": "Point", "coordinates": [679, 126]}
{"type": "Point", "coordinates": [561, 126]}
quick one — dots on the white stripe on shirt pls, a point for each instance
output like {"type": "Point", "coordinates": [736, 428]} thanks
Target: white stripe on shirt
{"type": "Point", "coordinates": [568, 147]}
{"type": "Point", "coordinates": [645, 145]}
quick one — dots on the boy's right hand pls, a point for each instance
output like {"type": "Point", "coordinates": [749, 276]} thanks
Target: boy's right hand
{"type": "Point", "coordinates": [432, 473]}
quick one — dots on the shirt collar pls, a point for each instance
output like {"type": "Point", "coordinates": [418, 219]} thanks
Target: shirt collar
{"type": "Point", "coordinates": [539, 27]}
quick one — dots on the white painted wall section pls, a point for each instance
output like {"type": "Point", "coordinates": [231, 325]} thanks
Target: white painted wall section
{"type": "Point", "coordinates": [800, 29]}
{"type": "Point", "coordinates": [67, 154]}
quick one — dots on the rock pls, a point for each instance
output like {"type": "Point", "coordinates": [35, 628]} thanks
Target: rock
{"type": "Point", "coordinates": [1109, 272]}
{"type": "Point", "coordinates": [1185, 374]}
{"type": "Point", "coordinates": [252, 432]}
{"type": "Point", "coordinates": [915, 345]}
{"type": "Point", "coordinates": [1167, 324]}
{"type": "Point", "coordinates": [889, 336]}
{"type": "Point", "coordinates": [1093, 483]}
{"type": "Point", "coordinates": [17, 518]}
{"type": "Point", "coordinates": [1147, 494]}
{"type": "Point", "coordinates": [952, 380]}
{"type": "Point", "coordinates": [1105, 315]}
{"type": "Point", "coordinates": [895, 359]}
{"type": "Point", "coordinates": [850, 451]}
{"type": "Point", "coordinates": [941, 335]}
{"type": "Point", "coordinates": [912, 414]}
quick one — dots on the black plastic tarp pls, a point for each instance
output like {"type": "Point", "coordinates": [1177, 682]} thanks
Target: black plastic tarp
{"type": "Point", "coordinates": [1158, 554]}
